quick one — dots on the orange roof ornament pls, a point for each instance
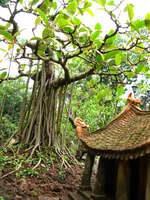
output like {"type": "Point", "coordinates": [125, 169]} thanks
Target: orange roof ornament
{"type": "Point", "coordinates": [133, 101]}
{"type": "Point", "coordinates": [81, 127]}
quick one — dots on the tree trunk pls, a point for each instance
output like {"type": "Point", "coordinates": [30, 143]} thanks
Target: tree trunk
{"type": "Point", "coordinates": [39, 127]}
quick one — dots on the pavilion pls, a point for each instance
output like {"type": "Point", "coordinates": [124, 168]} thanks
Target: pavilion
{"type": "Point", "coordinates": [123, 147]}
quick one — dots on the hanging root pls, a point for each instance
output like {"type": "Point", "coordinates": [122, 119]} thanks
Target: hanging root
{"type": "Point", "coordinates": [11, 172]}
{"type": "Point", "coordinates": [39, 162]}
{"type": "Point", "coordinates": [70, 155]}
{"type": "Point", "coordinates": [33, 150]}
{"type": "Point", "coordinates": [65, 155]}
{"type": "Point", "coordinates": [62, 155]}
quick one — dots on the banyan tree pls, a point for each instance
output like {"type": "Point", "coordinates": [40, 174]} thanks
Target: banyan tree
{"type": "Point", "coordinates": [59, 50]}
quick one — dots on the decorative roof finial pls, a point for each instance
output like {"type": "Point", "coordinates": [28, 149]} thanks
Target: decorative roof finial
{"type": "Point", "coordinates": [81, 127]}
{"type": "Point", "coordinates": [134, 101]}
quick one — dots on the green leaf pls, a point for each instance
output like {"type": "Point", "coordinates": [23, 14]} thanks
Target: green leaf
{"type": "Point", "coordinates": [111, 41]}
{"type": "Point", "coordinates": [54, 5]}
{"type": "Point", "coordinates": [21, 1]}
{"type": "Point", "coordinates": [38, 21]}
{"type": "Point", "coordinates": [99, 58]}
{"type": "Point", "coordinates": [94, 35]}
{"type": "Point", "coordinates": [87, 5]}
{"type": "Point", "coordinates": [43, 16]}
{"type": "Point", "coordinates": [129, 9]}
{"type": "Point", "coordinates": [41, 49]}
{"type": "Point", "coordinates": [111, 3]}
{"type": "Point", "coordinates": [146, 68]}
{"type": "Point", "coordinates": [108, 97]}
{"type": "Point", "coordinates": [147, 75]}
{"type": "Point", "coordinates": [118, 59]}
{"type": "Point", "coordinates": [47, 32]}
{"type": "Point", "coordinates": [6, 35]}
{"type": "Point", "coordinates": [130, 75]}
{"type": "Point", "coordinates": [72, 7]}
{"type": "Point", "coordinates": [98, 26]}
{"type": "Point", "coordinates": [83, 38]}
{"type": "Point", "coordinates": [4, 50]}
{"type": "Point", "coordinates": [90, 12]}
{"type": "Point", "coordinates": [120, 90]}
{"type": "Point", "coordinates": [100, 95]}
{"type": "Point", "coordinates": [4, 3]}
{"type": "Point", "coordinates": [23, 66]}
{"type": "Point", "coordinates": [3, 75]}
{"type": "Point", "coordinates": [36, 38]}
{"type": "Point", "coordinates": [97, 43]}
{"type": "Point", "coordinates": [44, 6]}
{"type": "Point", "coordinates": [147, 20]}
{"type": "Point", "coordinates": [76, 21]}
{"type": "Point", "coordinates": [139, 68]}
{"type": "Point", "coordinates": [80, 11]}
{"type": "Point", "coordinates": [34, 2]}
{"type": "Point", "coordinates": [46, 2]}
{"type": "Point", "coordinates": [110, 55]}
{"type": "Point", "coordinates": [68, 29]}
{"type": "Point", "coordinates": [82, 29]}
{"type": "Point", "coordinates": [101, 2]}
{"type": "Point", "coordinates": [62, 22]}
{"type": "Point", "coordinates": [112, 69]}
{"type": "Point", "coordinates": [2, 27]}
{"type": "Point", "coordinates": [138, 24]}
{"type": "Point", "coordinates": [59, 55]}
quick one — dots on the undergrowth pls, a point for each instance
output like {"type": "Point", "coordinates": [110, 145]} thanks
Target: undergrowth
{"type": "Point", "coordinates": [7, 127]}
{"type": "Point", "coordinates": [17, 161]}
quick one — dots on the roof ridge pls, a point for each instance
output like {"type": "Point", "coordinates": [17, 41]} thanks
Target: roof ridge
{"type": "Point", "coordinates": [122, 113]}
{"type": "Point", "coordinates": [135, 108]}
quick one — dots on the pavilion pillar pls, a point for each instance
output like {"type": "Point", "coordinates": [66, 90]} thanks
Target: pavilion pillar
{"type": "Point", "coordinates": [123, 181]}
{"type": "Point", "coordinates": [86, 178]}
{"type": "Point", "coordinates": [99, 192]}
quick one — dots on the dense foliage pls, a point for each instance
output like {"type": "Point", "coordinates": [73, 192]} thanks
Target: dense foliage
{"type": "Point", "coordinates": [11, 98]}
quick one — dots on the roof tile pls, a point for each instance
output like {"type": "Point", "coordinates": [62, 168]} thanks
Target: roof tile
{"type": "Point", "coordinates": [127, 136]}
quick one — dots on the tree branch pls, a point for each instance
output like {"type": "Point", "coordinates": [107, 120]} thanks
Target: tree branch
{"type": "Point", "coordinates": [13, 78]}
{"type": "Point", "coordinates": [121, 49]}
{"type": "Point", "coordinates": [63, 81]}
{"type": "Point", "coordinates": [114, 33]}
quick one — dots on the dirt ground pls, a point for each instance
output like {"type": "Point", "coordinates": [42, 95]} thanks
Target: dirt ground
{"type": "Point", "coordinates": [51, 185]}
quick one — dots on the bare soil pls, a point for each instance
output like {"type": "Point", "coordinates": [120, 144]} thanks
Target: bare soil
{"type": "Point", "coordinates": [49, 185]}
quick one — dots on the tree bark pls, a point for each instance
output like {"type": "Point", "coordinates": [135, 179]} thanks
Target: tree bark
{"type": "Point", "coordinates": [40, 121]}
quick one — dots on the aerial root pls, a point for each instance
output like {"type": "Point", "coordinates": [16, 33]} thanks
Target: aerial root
{"type": "Point", "coordinates": [39, 162]}
{"type": "Point", "coordinates": [70, 155]}
{"type": "Point", "coordinates": [33, 150]}
{"type": "Point", "coordinates": [61, 155]}
{"type": "Point", "coordinates": [11, 172]}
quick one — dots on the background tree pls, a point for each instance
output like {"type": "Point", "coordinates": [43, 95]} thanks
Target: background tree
{"type": "Point", "coordinates": [67, 51]}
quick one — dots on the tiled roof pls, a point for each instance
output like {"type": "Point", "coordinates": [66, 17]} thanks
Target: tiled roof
{"type": "Point", "coordinates": [126, 137]}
